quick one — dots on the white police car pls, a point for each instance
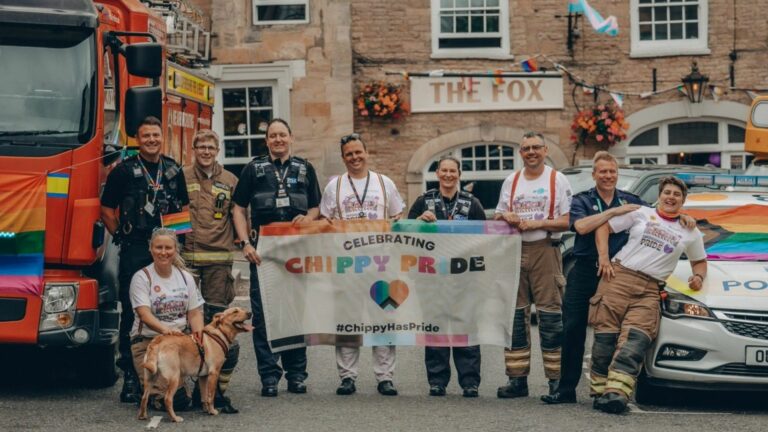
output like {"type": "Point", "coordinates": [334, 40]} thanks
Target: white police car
{"type": "Point", "coordinates": [717, 338]}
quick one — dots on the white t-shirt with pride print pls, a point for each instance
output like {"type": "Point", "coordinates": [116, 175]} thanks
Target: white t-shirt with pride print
{"type": "Point", "coordinates": [373, 205]}
{"type": "Point", "coordinates": [655, 244]}
{"type": "Point", "coordinates": [169, 299]}
{"type": "Point", "coordinates": [532, 200]}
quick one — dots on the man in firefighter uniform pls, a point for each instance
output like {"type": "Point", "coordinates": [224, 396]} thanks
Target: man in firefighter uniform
{"type": "Point", "coordinates": [448, 202]}
{"type": "Point", "coordinates": [537, 201]}
{"type": "Point", "coordinates": [279, 187]}
{"type": "Point", "coordinates": [208, 248]}
{"type": "Point", "coordinates": [138, 191]}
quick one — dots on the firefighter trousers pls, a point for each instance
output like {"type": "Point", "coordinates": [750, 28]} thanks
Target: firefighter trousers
{"type": "Point", "coordinates": [541, 283]}
{"type": "Point", "coordinates": [624, 314]}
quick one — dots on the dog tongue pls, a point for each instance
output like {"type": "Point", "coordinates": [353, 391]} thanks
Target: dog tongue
{"type": "Point", "coordinates": [248, 327]}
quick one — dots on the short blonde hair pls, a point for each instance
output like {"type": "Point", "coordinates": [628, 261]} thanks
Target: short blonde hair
{"type": "Point", "coordinates": [603, 155]}
{"type": "Point", "coordinates": [205, 135]}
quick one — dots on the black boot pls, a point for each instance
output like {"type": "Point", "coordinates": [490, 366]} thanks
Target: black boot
{"type": "Point", "coordinates": [223, 403]}
{"type": "Point", "coordinates": [515, 387]}
{"type": "Point", "coordinates": [131, 392]}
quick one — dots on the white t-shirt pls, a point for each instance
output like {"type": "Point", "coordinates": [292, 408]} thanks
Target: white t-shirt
{"type": "Point", "coordinates": [347, 205]}
{"type": "Point", "coordinates": [655, 244]}
{"type": "Point", "coordinates": [532, 200]}
{"type": "Point", "coordinates": [169, 299]}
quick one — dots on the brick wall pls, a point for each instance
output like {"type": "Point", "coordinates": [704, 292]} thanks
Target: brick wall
{"type": "Point", "coordinates": [394, 36]}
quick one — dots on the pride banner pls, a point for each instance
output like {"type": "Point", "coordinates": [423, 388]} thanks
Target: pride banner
{"type": "Point", "coordinates": [734, 234]}
{"type": "Point", "coordinates": [22, 232]}
{"type": "Point", "coordinates": [366, 283]}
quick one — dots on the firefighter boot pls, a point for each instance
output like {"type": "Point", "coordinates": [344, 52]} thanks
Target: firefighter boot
{"type": "Point", "coordinates": [611, 403]}
{"type": "Point", "coordinates": [131, 391]}
{"type": "Point", "coordinates": [515, 387]}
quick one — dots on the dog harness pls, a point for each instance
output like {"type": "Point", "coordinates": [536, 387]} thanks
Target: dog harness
{"type": "Point", "coordinates": [198, 339]}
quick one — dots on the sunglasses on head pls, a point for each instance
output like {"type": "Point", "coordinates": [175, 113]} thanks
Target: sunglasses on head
{"type": "Point", "coordinates": [351, 137]}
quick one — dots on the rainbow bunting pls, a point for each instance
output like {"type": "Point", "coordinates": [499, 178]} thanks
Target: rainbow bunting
{"type": "Point", "coordinates": [529, 65]}
{"type": "Point", "coordinates": [22, 233]}
{"type": "Point", "coordinates": [58, 185]}
{"type": "Point", "coordinates": [179, 222]}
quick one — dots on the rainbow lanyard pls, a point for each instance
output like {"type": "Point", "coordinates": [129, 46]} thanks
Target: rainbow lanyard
{"type": "Point", "coordinates": [154, 184]}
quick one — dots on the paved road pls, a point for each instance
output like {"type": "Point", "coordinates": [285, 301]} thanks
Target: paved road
{"type": "Point", "coordinates": [52, 403]}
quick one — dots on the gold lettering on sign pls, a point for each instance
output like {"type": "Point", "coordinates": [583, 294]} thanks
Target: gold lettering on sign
{"type": "Point", "coordinates": [516, 91]}
{"type": "Point", "coordinates": [459, 92]}
{"type": "Point", "coordinates": [535, 87]}
{"type": "Point", "coordinates": [472, 94]}
{"type": "Point", "coordinates": [436, 86]}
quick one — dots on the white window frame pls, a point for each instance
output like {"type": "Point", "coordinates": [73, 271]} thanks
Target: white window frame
{"type": "Point", "coordinates": [224, 138]}
{"type": "Point", "coordinates": [661, 48]}
{"type": "Point", "coordinates": [501, 53]}
{"type": "Point", "coordinates": [660, 151]}
{"type": "Point", "coordinates": [256, 3]}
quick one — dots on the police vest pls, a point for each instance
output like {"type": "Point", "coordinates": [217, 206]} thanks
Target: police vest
{"type": "Point", "coordinates": [136, 222]}
{"type": "Point", "coordinates": [460, 210]}
{"type": "Point", "coordinates": [266, 204]}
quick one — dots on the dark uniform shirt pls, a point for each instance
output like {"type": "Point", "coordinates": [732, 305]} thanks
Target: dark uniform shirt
{"type": "Point", "coordinates": [589, 203]}
{"type": "Point", "coordinates": [476, 211]}
{"type": "Point", "coordinates": [247, 185]}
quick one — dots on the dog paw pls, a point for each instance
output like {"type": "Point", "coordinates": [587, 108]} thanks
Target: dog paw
{"type": "Point", "coordinates": [213, 411]}
{"type": "Point", "coordinates": [142, 416]}
{"type": "Point", "coordinates": [177, 419]}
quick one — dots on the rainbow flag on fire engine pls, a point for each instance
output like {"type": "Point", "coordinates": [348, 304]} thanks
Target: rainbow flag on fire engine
{"type": "Point", "coordinates": [22, 232]}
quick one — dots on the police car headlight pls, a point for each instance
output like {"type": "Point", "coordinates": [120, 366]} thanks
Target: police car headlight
{"type": "Point", "coordinates": [59, 297]}
{"type": "Point", "coordinates": [676, 305]}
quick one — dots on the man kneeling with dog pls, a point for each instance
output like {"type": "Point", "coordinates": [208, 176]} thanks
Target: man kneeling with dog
{"type": "Point", "coordinates": [167, 302]}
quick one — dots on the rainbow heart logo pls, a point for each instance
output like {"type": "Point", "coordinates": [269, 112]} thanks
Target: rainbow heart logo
{"type": "Point", "coordinates": [389, 295]}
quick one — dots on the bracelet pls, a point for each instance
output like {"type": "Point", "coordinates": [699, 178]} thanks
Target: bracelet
{"type": "Point", "coordinates": [699, 275]}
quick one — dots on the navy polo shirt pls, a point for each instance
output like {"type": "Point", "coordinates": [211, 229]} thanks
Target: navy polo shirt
{"type": "Point", "coordinates": [589, 203]}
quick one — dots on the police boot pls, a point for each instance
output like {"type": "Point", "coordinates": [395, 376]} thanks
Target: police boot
{"type": "Point", "coordinates": [515, 387]}
{"type": "Point", "coordinates": [131, 392]}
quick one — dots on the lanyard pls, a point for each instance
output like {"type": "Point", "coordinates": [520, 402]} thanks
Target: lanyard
{"type": "Point", "coordinates": [155, 184]}
{"type": "Point", "coordinates": [600, 205]}
{"type": "Point", "coordinates": [365, 192]}
{"type": "Point", "coordinates": [281, 180]}
{"type": "Point", "coordinates": [451, 211]}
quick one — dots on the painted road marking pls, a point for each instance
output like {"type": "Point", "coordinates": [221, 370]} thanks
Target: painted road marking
{"type": "Point", "coordinates": [152, 425]}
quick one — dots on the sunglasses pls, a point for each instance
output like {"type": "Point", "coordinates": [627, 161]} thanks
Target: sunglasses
{"type": "Point", "coordinates": [351, 137]}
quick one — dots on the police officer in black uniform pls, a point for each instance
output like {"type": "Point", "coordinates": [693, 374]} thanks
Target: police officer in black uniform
{"type": "Point", "coordinates": [138, 191]}
{"type": "Point", "coordinates": [279, 188]}
{"type": "Point", "coordinates": [449, 203]}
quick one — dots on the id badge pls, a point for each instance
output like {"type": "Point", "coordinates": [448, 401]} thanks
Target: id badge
{"type": "Point", "coordinates": [282, 202]}
{"type": "Point", "coordinates": [149, 208]}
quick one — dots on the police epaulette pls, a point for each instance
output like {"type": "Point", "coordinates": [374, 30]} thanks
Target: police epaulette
{"type": "Point", "coordinates": [299, 159]}
{"type": "Point", "coordinates": [169, 160]}
{"type": "Point", "coordinates": [623, 192]}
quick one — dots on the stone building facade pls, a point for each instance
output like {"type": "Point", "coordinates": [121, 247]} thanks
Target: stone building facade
{"type": "Point", "coordinates": [662, 35]}
{"type": "Point", "coordinates": [315, 65]}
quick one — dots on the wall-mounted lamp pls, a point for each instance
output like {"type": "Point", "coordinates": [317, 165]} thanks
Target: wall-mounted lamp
{"type": "Point", "coordinates": [694, 84]}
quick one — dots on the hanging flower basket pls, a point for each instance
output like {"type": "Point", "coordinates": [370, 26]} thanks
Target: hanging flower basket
{"type": "Point", "coordinates": [381, 100]}
{"type": "Point", "coordinates": [603, 124]}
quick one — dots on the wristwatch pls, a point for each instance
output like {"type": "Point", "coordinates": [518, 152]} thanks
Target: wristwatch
{"type": "Point", "coordinates": [241, 244]}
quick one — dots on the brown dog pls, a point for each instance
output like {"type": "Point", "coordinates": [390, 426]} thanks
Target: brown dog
{"type": "Point", "coordinates": [174, 357]}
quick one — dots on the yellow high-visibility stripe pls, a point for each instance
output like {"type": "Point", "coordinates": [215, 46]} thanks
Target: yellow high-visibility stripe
{"type": "Point", "coordinates": [208, 256]}
{"type": "Point", "coordinates": [621, 377]}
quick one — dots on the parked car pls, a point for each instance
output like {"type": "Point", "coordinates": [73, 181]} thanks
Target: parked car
{"type": "Point", "coordinates": [717, 338]}
{"type": "Point", "coordinates": [641, 180]}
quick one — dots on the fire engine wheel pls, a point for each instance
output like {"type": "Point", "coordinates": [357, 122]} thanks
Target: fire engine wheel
{"type": "Point", "coordinates": [97, 366]}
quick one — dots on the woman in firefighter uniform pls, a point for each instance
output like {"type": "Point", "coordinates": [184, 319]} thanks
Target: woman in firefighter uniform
{"type": "Point", "coordinates": [449, 203]}
{"type": "Point", "coordinates": [279, 187]}
{"type": "Point", "coordinates": [625, 311]}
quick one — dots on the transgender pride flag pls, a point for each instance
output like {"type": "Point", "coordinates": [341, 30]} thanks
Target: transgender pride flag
{"type": "Point", "coordinates": [22, 232]}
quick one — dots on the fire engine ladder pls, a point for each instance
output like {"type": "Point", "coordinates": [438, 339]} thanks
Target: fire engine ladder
{"type": "Point", "coordinates": [187, 38]}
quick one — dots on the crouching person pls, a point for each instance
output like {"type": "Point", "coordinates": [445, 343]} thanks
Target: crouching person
{"type": "Point", "coordinates": [625, 311]}
{"type": "Point", "coordinates": [166, 301]}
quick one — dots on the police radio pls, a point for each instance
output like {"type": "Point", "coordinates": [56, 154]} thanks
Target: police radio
{"type": "Point", "coordinates": [219, 205]}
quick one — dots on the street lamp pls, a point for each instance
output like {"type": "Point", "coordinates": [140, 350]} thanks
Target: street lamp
{"type": "Point", "coordinates": [694, 84]}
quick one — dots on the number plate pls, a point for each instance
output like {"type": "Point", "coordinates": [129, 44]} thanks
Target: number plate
{"type": "Point", "coordinates": [757, 356]}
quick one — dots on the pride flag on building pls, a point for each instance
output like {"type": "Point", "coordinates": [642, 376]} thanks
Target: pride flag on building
{"type": "Point", "coordinates": [22, 232]}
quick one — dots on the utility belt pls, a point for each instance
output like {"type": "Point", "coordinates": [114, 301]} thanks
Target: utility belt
{"type": "Point", "coordinates": [641, 275]}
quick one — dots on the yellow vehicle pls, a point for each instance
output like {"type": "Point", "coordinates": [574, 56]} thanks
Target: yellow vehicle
{"type": "Point", "coordinates": [756, 138]}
